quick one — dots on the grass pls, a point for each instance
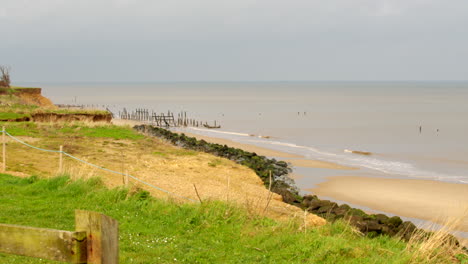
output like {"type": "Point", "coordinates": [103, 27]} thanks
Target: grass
{"type": "Point", "coordinates": [73, 111]}
{"type": "Point", "coordinates": [215, 162]}
{"type": "Point", "coordinates": [157, 231]}
{"type": "Point", "coordinates": [10, 115]}
{"type": "Point", "coordinates": [60, 130]}
{"type": "Point", "coordinates": [103, 131]}
{"type": "Point", "coordinates": [175, 152]}
{"type": "Point", "coordinates": [21, 128]}
{"type": "Point", "coordinates": [10, 103]}
{"type": "Point", "coordinates": [20, 87]}
{"type": "Point", "coordinates": [14, 104]}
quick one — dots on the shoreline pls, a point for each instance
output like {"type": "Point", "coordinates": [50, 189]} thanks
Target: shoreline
{"type": "Point", "coordinates": [417, 195]}
{"type": "Point", "coordinates": [421, 201]}
{"type": "Point", "coordinates": [434, 201]}
{"type": "Point", "coordinates": [247, 147]}
{"type": "Point", "coordinates": [295, 159]}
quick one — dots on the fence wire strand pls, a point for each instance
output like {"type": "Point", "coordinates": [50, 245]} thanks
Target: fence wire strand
{"type": "Point", "coordinates": [97, 166]}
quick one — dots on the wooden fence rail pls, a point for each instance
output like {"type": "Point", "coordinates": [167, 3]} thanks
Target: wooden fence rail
{"type": "Point", "coordinates": [94, 241]}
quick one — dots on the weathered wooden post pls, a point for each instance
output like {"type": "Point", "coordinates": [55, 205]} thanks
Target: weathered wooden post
{"type": "Point", "coordinates": [94, 241]}
{"type": "Point", "coordinates": [4, 149]}
{"type": "Point", "coordinates": [126, 178]}
{"type": "Point", "coordinates": [61, 160]}
{"type": "Point", "coordinates": [102, 236]}
{"type": "Point", "coordinates": [43, 243]}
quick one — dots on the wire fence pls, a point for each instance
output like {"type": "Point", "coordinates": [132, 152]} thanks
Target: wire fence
{"type": "Point", "coordinates": [4, 132]}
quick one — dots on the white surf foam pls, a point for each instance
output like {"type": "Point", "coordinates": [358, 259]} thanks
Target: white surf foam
{"type": "Point", "coordinates": [219, 132]}
{"type": "Point", "coordinates": [391, 167]}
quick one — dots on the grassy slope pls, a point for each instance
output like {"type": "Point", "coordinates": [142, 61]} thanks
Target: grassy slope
{"type": "Point", "coordinates": [155, 231]}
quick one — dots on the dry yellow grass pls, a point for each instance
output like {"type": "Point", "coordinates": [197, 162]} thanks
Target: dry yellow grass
{"type": "Point", "coordinates": [159, 163]}
{"type": "Point", "coordinates": [429, 249]}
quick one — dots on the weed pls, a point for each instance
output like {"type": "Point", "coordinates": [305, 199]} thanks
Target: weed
{"type": "Point", "coordinates": [215, 162]}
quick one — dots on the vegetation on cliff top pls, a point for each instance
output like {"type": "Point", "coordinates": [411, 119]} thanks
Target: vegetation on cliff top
{"type": "Point", "coordinates": [157, 231]}
{"type": "Point", "coordinates": [5, 79]}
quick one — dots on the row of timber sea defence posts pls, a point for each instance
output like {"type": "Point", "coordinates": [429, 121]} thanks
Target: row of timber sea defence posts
{"type": "Point", "coordinates": [277, 171]}
{"type": "Point", "coordinates": [163, 119]}
{"type": "Point", "coordinates": [148, 116]}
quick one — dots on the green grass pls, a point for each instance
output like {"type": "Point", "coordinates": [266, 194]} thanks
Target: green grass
{"type": "Point", "coordinates": [73, 111]}
{"type": "Point", "coordinates": [9, 115]}
{"type": "Point", "coordinates": [20, 87]}
{"type": "Point", "coordinates": [10, 103]}
{"type": "Point", "coordinates": [71, 130]}
{"type": "Point", "coordinates": [156, 231]}
{"type": "Point", "coordinates": [21, 128]}
{"type": "Point", "coordinates": [106, 131]}
{"type": "Point", "coordinates": [175, 152]}
{"type": "Point", "coordinates": [215, 162]}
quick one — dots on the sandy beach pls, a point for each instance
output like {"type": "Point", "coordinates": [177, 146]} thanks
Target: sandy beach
{"type": "Point", "coordinates": [251, 148]}
{"type": "Point", "coordinates": [295, 160]}
{"type": "Point", "coordinates": [438, 202]}
{"type": "Point", "coordinates": [435, 201]}
{"type": "Point", "coordinates": [430, 200]}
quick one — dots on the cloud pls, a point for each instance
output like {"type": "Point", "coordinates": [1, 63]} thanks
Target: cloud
{"type": "Point", "coordinates": [186, 39]}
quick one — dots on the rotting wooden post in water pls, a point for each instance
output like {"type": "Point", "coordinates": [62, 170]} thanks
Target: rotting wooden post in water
{"type": "Point", "coordinates": [4, 149]}
{"type": "Point", "coordinates": [102, 236]}
{"type": "Point", "coordinates": [61, 160]}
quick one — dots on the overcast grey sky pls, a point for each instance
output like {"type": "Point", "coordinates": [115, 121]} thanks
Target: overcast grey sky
{"type": "Point", "coordinates": [235, 40]}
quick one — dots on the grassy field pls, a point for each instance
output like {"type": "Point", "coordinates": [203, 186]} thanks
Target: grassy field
{"type": "Point", "coordinates": [157, 231]}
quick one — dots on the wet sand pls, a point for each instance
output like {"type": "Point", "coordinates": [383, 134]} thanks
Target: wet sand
{"type": "Point", "coordinates": [435, 201]}
{"type": "Point", "coordinates": [294, 159]}
{"type": "Point", "coordinates": [318, 164]}
{"type": "Point", "coordinates": [251, 148]}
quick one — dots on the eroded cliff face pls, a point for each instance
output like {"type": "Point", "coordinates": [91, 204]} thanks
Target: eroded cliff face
{"type": "Point", "coordinates": [57, 117]}
{"type": "Point", "coordinates": [34, 96]}
{"type": "Point", "coordinates": [29, 96]}
{"type": "Point", "coordinates": [46, 111]}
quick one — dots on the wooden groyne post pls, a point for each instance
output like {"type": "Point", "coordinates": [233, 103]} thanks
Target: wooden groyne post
{"type": "Point", "coordinates": [95, 240]}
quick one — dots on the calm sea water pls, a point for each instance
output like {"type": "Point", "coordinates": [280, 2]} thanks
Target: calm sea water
{"type": "Point", "coordinates": [317, 120]}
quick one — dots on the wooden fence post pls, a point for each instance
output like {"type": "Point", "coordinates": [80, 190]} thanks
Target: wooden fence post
{"type": "Point", "coordinates": [126, 178]}
{"type": "Point", "coordinates": [102, 236]}
{"type": "Point", "coordinates": [4, 150]}
{"type": "Point", "coordinates": [43, 243]}
{"type": "Point", "coordinates": [61, 160]}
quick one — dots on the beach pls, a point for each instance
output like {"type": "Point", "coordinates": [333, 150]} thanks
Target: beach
{"type": "Point", "coordinates": [411, 173]}
{"type": "Point", "coordinates": [438, 202]}
{"type": "Point", "coordinates": [251, 148]}
{"type": "Point", "coordinates": [435, 201]}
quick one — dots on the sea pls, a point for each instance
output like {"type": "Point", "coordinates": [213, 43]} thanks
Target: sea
{"type": "Point", "coordinates": [414, 130]}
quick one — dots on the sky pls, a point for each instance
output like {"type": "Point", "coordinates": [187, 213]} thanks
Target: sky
{"type": "Point", "coordinates": [235, 40]}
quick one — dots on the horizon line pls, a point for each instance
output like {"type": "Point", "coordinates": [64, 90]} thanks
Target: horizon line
{"type": "Point", "coordinates": [252, 81]}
